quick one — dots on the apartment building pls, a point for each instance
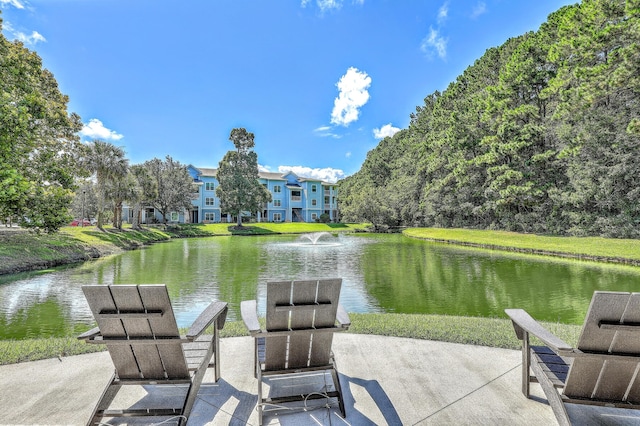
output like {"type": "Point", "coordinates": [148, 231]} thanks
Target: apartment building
{"type": "Point", "coordinates": [294, 199]}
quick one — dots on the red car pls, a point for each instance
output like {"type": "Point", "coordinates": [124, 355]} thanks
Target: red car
{"type": "Point", "coordinates": [77, 222]}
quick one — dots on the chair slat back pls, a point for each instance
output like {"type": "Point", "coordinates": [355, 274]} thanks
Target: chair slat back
{"type": "Point", "coordinates": [302, 307]}
{"type": "Point", "coordinates": [599, 378]}
{"type": "Point", "coordinates": [130, 312]}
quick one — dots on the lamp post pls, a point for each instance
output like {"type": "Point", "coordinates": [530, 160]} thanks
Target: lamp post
{"type": "Point", "coordinates": [82, 220]}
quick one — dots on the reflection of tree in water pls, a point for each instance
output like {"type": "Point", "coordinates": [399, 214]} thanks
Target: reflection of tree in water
{"type": "Point", "coordinates": [381, 273]}
{"type": "Point", "coordinates": [431, 278]}
{"type": "Point", "coordinates": [46, 317]}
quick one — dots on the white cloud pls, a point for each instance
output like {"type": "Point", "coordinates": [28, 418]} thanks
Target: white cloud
{"type": "Point", "coordinates": [479, 9]}
{"type": "Point", "coordinates": [353, 95]}
{"type": "Point", "coordinates": [434, 42]}
{"type": "Point", "coordinates": [324, 5]}
{"type": "Point", "coordinates": [385, 131]}
{"type": "Point", "coordinates": [443, 12]}
{"type": "Point", "coordinates": [325, 132]}
{"type": "Point", "coordinates": [96, 130]}
{"type": "Point", "coordinates": [329, 4]}
{"type": "Point", "coordinates": [32, 39]}
{"type": "Point", "coordinates": [15, 3]}
{"type": "Point", "coordinates": [348, 154]}
{"type": "Point", "coordinates": [327, 174]}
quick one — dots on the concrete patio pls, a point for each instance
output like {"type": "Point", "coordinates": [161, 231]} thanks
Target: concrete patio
{"type": "Point", "coordinates": [386, 380]}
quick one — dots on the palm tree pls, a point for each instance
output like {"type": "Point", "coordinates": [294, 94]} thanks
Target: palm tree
{"type": "Point", "coordinates": [144, 191]}
{"type": "Point", "coordinates": [118, 190]}
{"type": "Point", "coordinates": [108, 162]}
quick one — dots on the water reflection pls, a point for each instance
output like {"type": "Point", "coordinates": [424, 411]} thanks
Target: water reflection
{"type": "Point", "coordinates": [381, 273]}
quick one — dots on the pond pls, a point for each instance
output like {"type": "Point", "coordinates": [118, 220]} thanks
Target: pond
{"type": "Point", "coordinates": [381, 273]}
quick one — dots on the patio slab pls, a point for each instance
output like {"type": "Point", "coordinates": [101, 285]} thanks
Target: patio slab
{"type": "Point", "coordinates": [386, 380]}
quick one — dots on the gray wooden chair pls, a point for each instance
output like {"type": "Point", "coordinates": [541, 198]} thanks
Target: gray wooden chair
{"type": "Point", "coordinates": [301, 317]}
{"type": "Point", "coordinates": [137, 325]}
{"type": "Point", "coordinates": [601, 370]}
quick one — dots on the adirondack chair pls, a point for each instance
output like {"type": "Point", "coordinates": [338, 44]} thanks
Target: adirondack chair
{"type": "Point", "coordinates": [301, 319]}
{"type": "Point", "coordinates": [137, 325]}
{"type": "Point", "coordinates": [601, 370]}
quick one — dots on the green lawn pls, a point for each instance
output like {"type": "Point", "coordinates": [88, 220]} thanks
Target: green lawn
{"type": "Point", "coordinates": [494, 332]}
{"type": "Point", "coordinates": [92, 235]}
{"type": "Point", "coordinates": [606, 249]}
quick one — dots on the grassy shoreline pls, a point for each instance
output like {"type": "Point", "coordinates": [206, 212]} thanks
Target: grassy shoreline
{"type": "Point", "coordinates": [492, 332]}
{"type": "Point", "coordinates": [610, 250]}
{"type": "Point", "coordinates": [22, 251]}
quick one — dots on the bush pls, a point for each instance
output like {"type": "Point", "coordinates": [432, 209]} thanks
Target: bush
{"type": "Point", "coordinates": [324, 218]}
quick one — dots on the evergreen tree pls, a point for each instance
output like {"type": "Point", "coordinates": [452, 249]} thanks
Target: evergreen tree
{"type": "Point", "coordinates": [239, 190]}
{"type": "Point", "coordinates": [541, 134]}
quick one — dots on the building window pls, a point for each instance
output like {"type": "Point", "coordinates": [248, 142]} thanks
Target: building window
{"type": "Point", "coordinates": [174, 216]}
{"type": "Point", "coordinates": [295, 196]}
{"type": "Point", "coordinates": [209, 201]}
{"type": "Point", "coordinates": [313, 188]}
{"type": "Point", "coordinates": [314, 216]}
{"type": "Point", "coordinates": [277, 217]}
{"type": "Point", "coordinates": [276, 203]}
{"type": "Point", "coordinates": [277, 188]}
{"type": "Point", "coordinates": [209, 186]}
{"type": "Point", "coordinates": [314, 202]}
{"type": "Point", "coordinates": [210, 216]}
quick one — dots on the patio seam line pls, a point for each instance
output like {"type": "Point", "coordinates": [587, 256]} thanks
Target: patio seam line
{"type": "Point", "coordinates": [467, 394]}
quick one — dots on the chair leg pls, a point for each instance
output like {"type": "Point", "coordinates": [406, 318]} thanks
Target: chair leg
{"type": "Point", "coordinates": [259, 376]}
{"type": "Point", "coordinates": [526, 363]}
{"type": "Point", "coordinates": [107, 397]}
{"type": "Point", "coordinates": [553, 397]}
{"type": "Point", "coordinates": [336, 381]}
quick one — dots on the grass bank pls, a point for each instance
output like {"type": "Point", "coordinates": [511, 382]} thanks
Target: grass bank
{"type": "Point", "coordinates": [611, 250]}
{"type": "Point", "coordinates": [493, 332]}
{"type": "Point", "coordinates": [21, 250]}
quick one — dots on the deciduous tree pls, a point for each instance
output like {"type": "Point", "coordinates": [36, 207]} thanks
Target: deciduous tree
{"type": "Point", "coordinates": [39, 148]}
{"type": "Point", "coordinates": [173, 184]}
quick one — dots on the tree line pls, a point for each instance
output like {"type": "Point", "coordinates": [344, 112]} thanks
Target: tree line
{"type": "Point", "coordinates": [540, 134]}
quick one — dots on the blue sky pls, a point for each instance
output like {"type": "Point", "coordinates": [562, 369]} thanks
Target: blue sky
{"type": "Point", "coordinates": [319, 82]}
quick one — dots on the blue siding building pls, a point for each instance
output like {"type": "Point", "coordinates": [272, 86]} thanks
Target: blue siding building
{"type": "Point", "coordinates": [294, 199]}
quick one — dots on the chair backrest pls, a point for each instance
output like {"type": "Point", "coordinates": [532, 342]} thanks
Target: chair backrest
{"type": "Point", "coordinates": [612, 326]}
{"type": "Point", "coordinates": [138, 326]}
{"type": "Point", "coordinates": [308, 310]}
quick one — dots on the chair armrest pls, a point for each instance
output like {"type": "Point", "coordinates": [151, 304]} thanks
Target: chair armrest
{"type": "Point", "coordinates": [523, 322]}
{"type": "Point", "coordinates": [215, 311]}
{"type": "Point", "coordinates": [343, 317]}
{"type": "Point", "coordinates": [249, 313]}
{"type": "Point", "coordinates": [90, 334]}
